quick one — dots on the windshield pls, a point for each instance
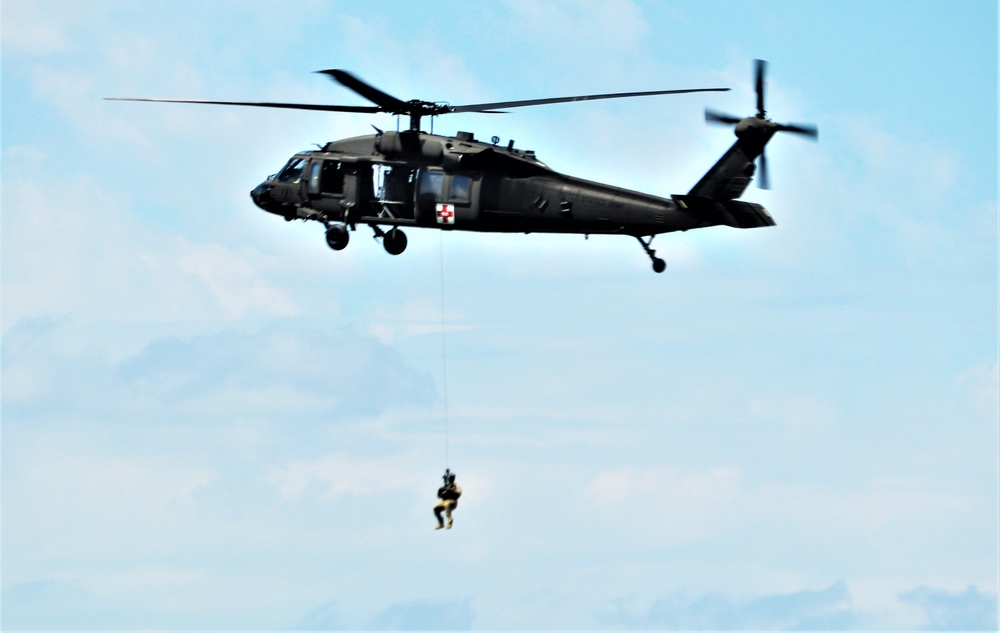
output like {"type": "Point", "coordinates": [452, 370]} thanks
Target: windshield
{"type": "Point", "coordinates": [292, 172]}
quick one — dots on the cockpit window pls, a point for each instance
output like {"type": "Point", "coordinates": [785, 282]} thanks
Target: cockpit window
{"type": "Point", "coordinates": [460, 189]}
{"type": "Point", "coordinates": [292, 171]}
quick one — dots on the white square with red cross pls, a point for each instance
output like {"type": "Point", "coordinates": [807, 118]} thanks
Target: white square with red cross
{"type": "Point", "coordinates": [445, 214]}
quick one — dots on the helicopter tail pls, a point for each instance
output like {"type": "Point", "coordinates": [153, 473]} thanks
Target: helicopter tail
{"type": "Point", "coordinates": [713, 198]}
{"type": "Point", "coordinates": [718, 189]}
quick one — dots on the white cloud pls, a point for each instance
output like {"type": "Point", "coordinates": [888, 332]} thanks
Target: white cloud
{"type": "Point", "coordinates": [841, 606]}
{"type": "Point", "coordinates": [665, 505]}
{"type": "Point", "coordinates": [981, 385]}
{"type": "Point", "coordinates": [450, 615]}
{"type": "Point", "coordinates": [830, 608]}
{"type": "Point", "coordinates": [795, 410]}
{"type": "Point", "coordinates": [339, 474]}
{"type": "Point", "coordinates": [390, 321]}
{"type": "Point", "coordinates": [78, 251]}
{"type": "Point", "coordinates": [290, 370]}
{"type": "Point", "coordinates": [73, 501]}
{"type": "Point", "coordinates": [234, 280]}
{"type": "Point", "coordinates": [31, 28]}
{"type": "Point", "coordinates": [622, 25]}
{"type": "Point", "coordinates": [926, 212]}
{"type": "Point", "coordinates": [970, 610]}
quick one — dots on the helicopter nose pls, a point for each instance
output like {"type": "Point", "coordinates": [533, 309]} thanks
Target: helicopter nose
{"type": "Point", "coordinates": [262, 197]}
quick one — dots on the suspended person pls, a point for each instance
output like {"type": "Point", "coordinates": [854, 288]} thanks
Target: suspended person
{"type": "Point", "coordinates": [448, 495]}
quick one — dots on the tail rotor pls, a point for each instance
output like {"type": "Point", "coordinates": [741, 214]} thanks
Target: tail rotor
{"type": "Point", "coordinates": [758, 129]}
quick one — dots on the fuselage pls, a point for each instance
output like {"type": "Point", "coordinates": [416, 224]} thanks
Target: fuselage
{"type": "Point", "coordinates": [458, 183]}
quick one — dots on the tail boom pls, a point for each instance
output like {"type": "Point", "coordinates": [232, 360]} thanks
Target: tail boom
{"type": "Point", "coordinates": [735, 213]}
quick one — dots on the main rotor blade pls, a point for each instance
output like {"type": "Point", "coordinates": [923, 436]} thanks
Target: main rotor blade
{"type": "Point", "coordinates": [806, 130]}
{"type": "Point", "coordinates": [483, 107]}
{"type": "Point", "coordinates": [388, 102]}
{"type": "Point", "coordinates": [761, 69]}
{"type": "Point", "coordinates": [711, 116]}
{"type": "Point", "coordinates": [261, 104]}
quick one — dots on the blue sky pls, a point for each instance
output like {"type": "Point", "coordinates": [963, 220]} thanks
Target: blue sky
{"type": "Point", "coordinates": [211, 421]}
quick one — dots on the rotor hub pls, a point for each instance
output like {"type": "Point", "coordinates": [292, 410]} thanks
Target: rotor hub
{"type": "Point", "coordinates": [755, 131]}
{"type": "Point", "coordinates": [754, 126]}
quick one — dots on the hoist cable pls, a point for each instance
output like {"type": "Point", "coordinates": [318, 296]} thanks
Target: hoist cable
{"type": "Point", "coordinates": [444, 357]}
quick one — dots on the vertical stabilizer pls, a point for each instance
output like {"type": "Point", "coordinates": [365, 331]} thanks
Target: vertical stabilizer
{"type": "Point", "coordinates": [730, 176]}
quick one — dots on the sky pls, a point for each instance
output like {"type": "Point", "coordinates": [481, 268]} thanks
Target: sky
{"type": "Point", "coordinates": [211, 421]}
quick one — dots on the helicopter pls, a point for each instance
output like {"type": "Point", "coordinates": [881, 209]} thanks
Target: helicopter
{"type": "Point", "coordinates": [411, 178]}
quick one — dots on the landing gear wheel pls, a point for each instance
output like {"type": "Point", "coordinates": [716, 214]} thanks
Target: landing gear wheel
{"type": "Point", "coordinates": [658, 264]}
{"type": "Point", "coordinates": [337, 237]}
{"type": "Point", "coordinates": [394, 242]}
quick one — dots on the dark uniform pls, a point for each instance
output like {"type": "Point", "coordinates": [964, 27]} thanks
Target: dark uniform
{"type": "Point", "coordinates": [448, 495]}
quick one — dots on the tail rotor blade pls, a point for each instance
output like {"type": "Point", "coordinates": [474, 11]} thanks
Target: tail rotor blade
{"type": "Point", "coordinates": [711, 116]}
{"type": "Point", "coordinates": [761, 69]}
{"type": "Point", "coordinates": [765, 179]}
{"type": "Point", "coordinates": [810, 131]}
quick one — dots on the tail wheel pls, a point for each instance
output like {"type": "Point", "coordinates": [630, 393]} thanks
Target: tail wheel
{"type": "Point", "coordinates": [337, 237]}
{"type": "Point", "coordinates": [658, 264]}
{"type": "Point", "coordinates": [394, 242]}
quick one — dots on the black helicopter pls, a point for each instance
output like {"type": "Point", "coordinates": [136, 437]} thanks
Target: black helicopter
{"type": "Point", "coordinates": [412, 178]}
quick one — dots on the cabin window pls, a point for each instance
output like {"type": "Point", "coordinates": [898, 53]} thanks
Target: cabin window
{"type": "Point", "coordinates": [396, 184]}
{"type": "Point", "coordinates": [314, 171]}
{"type": "Point", "coordinates": [432, 184]}
{"type": "Point", "coordinates": [292, 171]}
{"type": "Point", "coordinates": [460, 189]}
{"type": "Point", "coordinates": [323, 177]}
{"type": "Point", "coordinates": [332, 177]}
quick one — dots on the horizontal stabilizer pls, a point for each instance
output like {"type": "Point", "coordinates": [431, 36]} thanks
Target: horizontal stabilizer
{"type": "Point", "coordinates": [748, 215]}
{"type": "Point", "coordinates": [735, 213]}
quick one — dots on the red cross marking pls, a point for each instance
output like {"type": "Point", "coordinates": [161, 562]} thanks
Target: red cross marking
{"type": "Point", "coordinates": [446, 214]}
